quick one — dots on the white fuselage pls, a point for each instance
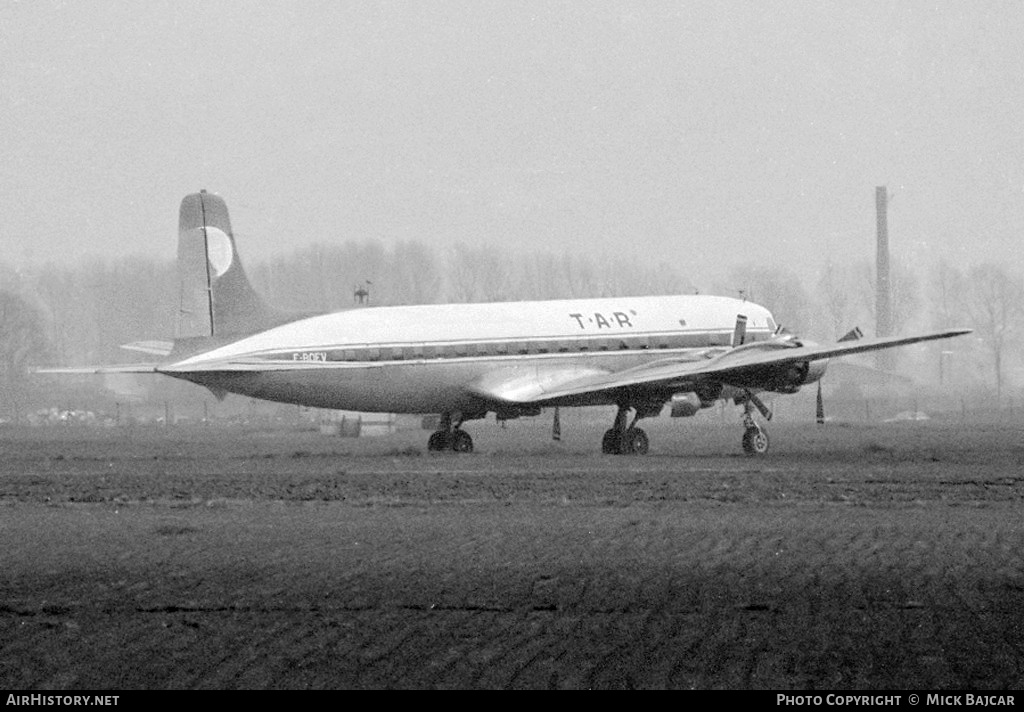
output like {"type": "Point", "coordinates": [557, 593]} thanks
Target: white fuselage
{"type": "Point", "coordinates": [420, 359]}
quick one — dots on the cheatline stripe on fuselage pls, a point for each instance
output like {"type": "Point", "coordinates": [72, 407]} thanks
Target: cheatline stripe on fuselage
{"type": "Point", "coordinates": [665, 343]}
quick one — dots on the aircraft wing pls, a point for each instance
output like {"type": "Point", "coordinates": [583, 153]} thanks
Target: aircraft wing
{"type": "Point", "coordinates": [745, 366]}
{"type": "Point", "coordinates": [741, 366]}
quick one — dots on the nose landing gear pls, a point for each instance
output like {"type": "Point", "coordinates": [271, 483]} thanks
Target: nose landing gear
{"type": "Point", "coordinates": [755, 438]}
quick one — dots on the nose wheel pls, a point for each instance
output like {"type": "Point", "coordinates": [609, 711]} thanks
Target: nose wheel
{"type": "Point", "coordinates": [755, 438]}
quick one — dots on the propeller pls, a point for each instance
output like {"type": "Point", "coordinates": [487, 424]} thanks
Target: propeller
{"type": "Point", "coordinates": [851, 335]}
{"type": "Point", "coordinates": [739, 333]}
{"type": "Point", "coordinates": [556, 427]}
{"type": "Point", "coordinates": [819, 410]}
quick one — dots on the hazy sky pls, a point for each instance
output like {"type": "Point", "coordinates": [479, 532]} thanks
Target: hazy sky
{"type": "Point", "coordinates": [703, 134]}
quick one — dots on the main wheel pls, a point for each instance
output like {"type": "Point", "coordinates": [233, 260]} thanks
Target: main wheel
{"type": "Point", "coordinates": [610, 442]}
{"type": "Point", "coordinates": [755, 441]}
{"type": "Point", "coordinates": [438, 441]}
{"type": "Point", "coordinates": [634, 442]}
{"type": "Point", "coordinates": [461, 442]}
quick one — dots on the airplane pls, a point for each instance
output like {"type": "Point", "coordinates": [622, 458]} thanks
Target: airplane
{"type": "Point", "coordinates": [464, 361]}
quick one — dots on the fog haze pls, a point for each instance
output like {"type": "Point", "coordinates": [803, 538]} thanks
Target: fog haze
{"type": "Point", "coordinates": [701, 135]}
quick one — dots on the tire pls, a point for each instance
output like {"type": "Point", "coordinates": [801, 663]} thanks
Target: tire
{"type": "Point", "coordinates": [461, 442]}
{"type": "Point", "coordinates": [635, 442]}
{"type": "Point", "coordinates": [610, 442]}
{"type": "Point", "coordinates": [438, 441]}
{"type": "Point", "coordinates": [755, 441]}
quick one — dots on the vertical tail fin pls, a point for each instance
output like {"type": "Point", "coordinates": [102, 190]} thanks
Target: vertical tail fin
{"type": "Point", "coordinates": [215, 297]}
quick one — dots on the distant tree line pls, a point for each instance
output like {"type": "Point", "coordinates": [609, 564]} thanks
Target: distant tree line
{"type": "Point", "coordinates": [985, 297]}
{"type": "Point", "coordinates": [79, 315]}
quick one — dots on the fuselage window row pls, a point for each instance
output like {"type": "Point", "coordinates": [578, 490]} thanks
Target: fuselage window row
{"type": "Point", "coordinates": [530, 348]}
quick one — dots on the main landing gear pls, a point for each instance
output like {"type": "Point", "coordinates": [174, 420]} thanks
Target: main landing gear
{"type": "Point", "coordinates": [755, 438]}
{"type": "Point", "coordinates": [447, 437]}
{"type": "Point", "coordinates": [623, 440]}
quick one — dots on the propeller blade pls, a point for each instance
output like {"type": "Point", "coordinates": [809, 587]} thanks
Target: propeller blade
{"type": "Point", "coordinates": [820, 409]}
{"type": "Point", "coordinates": [556, 427]}
{"type": "Point", "coordinates": [739, 334]}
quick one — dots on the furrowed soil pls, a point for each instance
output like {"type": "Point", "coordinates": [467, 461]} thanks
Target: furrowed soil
{"type": "Point", "coordinates": [878, 557]}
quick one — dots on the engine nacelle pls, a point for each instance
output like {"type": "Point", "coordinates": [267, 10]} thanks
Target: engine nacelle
{"type": "Point", "coordinates": [685, 405]}
{"type": "Point", "coordinates": [816, 370]}
{"type": "Point", "coordinates": [789, 378]}
{"type": "Point", "coordinates": [517, 412]}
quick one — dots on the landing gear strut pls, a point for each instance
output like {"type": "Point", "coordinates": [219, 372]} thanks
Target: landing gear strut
{"type": "Point", "coordinates": [447, 437]}
{"type": "Point", "coordinates": [755, 438]}
{"type": "Point", "coordinates": [622, 440]}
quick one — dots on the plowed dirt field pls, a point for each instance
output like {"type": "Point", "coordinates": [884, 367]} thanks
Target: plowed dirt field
{"type": "Point", "coordinates": [849, 557]}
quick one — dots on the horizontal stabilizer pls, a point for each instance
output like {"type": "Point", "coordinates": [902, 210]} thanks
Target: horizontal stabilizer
{"type": "Point", "coordinates": [86, 370]}
{"type": "Point", "coordinates": [157, 348]}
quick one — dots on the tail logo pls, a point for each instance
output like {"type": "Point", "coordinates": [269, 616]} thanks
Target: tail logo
{"type": "Point", "coordinates": [218, 250]}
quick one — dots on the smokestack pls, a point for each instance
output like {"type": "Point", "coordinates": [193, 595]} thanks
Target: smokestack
{"type": "Point", "coordinates": [883, 294]}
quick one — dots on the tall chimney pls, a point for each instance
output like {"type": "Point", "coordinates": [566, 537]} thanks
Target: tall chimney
{"type": "Point", "coordinates": [883, 293]}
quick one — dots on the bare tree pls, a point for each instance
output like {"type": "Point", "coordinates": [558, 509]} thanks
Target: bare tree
{"type": "Point", "coordinates": [946, 294]}
{"type": "Point", "coordinates": [779, 290]}
{"type": "Point", "coordinates": [994, 304]}
{"type": "Point", "coordinates": [905, 289]}
{"type": "Point", "coordinates": [837, 299]}
{"type": "Point", "coordinates": [579, 273]}
{"type": "Point", "coordinates": [536, 276]}
{"type": "Point", "coordinates": [477, 274]}
{"type": "Point", "coordinates": [414, 276]}
{"type": "Point", "coordinates": [21, 342]}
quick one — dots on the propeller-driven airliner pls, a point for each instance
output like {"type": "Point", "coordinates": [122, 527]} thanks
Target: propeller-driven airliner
{"type": "Point", "coordinates": [464, 361]}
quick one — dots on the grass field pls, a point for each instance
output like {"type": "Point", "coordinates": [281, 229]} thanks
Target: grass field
{"type": "Point", "coordinates": [849, 557]}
